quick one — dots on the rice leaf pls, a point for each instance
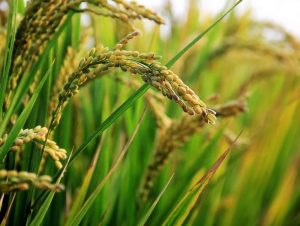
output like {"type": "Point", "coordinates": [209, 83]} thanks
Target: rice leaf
{"type": "Point", "coordinates": [149, 212]}
{"type": "Point", "coordinates": [85, 185]}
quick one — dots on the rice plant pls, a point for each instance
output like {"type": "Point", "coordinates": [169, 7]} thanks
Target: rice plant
{"type": "Point", "coordinates": [103, 121]}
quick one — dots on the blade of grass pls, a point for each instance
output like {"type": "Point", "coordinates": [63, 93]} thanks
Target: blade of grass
{"type": "Point", "coordinates": [78, 218]}
{"type": "Point", "coordinates": [21, 7]}
{"type": "Point", "coordinates": [85, 184]}
{"type": "Point", "coordinates": [182, 210]}
{"type": "Point", "coordinates": [149, 212]}
{"type": "Point", "coordinates": [102, 217]}
{"type": "Point", "coordinates": [21, 119]}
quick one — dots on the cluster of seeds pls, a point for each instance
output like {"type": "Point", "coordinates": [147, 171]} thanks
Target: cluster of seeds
{"type": "Point", "coordinates": [144, 64]}
{"type": "Point", "coordinates": [38, 135]}
{"type": "Point", "coordinates": [175, 136]}
{"type": "Point", "coordinates": [172, 86]}
{"type": "Point", "coordinates": [19, 181]}
{"type": "Point", "coordinates": [125, 40]}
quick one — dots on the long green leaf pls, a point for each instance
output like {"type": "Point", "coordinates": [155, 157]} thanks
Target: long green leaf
{"type": "Point", "coordinates": [21, 120]}
{"type": "Point", "coordinates": [85, 184]}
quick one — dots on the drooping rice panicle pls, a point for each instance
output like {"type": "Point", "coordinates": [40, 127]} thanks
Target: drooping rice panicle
{"type": "Point", "coordinates": [144, 64]}
{"type": "Point", "coordinates": [11, 180]}
{"type": "Point", "coordinates": [38, 136]}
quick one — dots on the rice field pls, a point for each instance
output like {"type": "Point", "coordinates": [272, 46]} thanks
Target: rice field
{"type": "Point", "coordinates": [104, 121]}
